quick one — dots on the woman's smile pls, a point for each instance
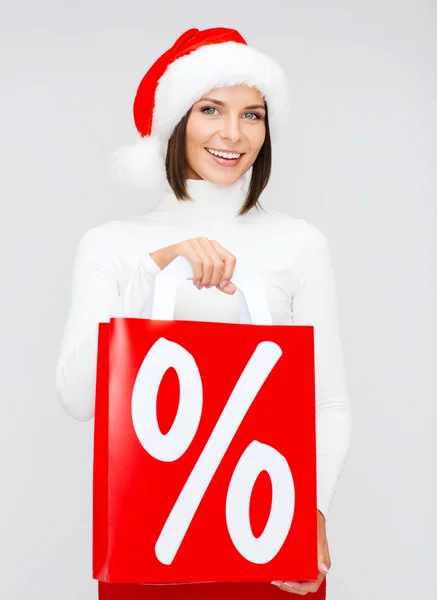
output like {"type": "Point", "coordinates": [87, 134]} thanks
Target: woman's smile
{"type": "Point", "coordinates": [230, 160]}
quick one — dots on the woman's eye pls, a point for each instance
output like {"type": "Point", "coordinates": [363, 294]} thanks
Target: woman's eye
{"type": "Point", "coordinates": [208, 108]}
{"type": "Point", "coordinates": [212, 108]}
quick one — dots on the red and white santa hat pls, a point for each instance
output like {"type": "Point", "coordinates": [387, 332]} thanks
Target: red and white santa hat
{"type": "Point", "coordinates": [196, 63]}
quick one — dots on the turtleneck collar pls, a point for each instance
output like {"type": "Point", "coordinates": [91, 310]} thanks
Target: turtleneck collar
{"type": "Point", "coordinates": [209, 200]}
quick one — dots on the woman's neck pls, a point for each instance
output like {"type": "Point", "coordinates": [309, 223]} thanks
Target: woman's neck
{"type": "Point", "coordinates": [208, 200]}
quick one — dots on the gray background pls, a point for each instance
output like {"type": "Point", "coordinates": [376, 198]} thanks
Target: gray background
{"type": "Point", "coordinates": [358, 160]}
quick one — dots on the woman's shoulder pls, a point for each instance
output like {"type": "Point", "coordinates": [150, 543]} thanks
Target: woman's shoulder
{"type": "Point", "coordinates": [104, 232]}
{"type": "Point", "coordinates": [112, 236]}
{"type": "Point", "coordinates": [294, 230]}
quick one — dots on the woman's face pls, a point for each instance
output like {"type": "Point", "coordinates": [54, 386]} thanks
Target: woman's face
{"type": "Point", "coordinates": [228, 119]}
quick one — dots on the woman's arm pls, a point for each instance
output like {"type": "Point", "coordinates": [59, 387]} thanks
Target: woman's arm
{"type": "Point", "coordinates": [96, 296]}
{"type": "Point", "coordinates": [314, 303]}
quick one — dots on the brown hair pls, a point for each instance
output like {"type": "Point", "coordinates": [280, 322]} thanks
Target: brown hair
{"type": "Point", "coordinates": [175, 165]}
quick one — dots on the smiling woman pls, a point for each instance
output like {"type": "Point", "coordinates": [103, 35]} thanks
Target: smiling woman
{"type": "Point", "coordinates": [219, 123]}
{"type": "Point", "coordinates": [226, 130]}
{"type": "Point", "coordinates": [206, 112]}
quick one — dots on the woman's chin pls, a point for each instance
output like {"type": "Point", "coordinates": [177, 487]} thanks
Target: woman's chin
{"type": "Point", "coordinates": [221, 178]}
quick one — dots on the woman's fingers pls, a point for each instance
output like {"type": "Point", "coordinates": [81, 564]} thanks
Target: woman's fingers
{"type": "Point", "coordinates": [187, 250]}
{"type": "Point", "coordinates": [229, 266]}
{"type": "Point", "coordinates": [282, 585]}
{"type": "Point", "coordinates": [207, 264]}
{"type": "Point", "coordinates": [218, 264]}
{"type": "Point", "coordinates": [212, 264]}
{"type": "Point", "coordinates": [286, 587]}
{"type": "Point", "coordinates": [228, 259]}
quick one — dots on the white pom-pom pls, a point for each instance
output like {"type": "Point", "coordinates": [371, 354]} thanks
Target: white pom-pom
{"type": "Point", "coordinates": [141, 164]}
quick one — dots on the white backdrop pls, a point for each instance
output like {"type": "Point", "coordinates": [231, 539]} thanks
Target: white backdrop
{"type": "Point", "coordinates": [358, 160]}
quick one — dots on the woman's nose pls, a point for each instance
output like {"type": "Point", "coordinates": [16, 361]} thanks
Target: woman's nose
{"type": "Point", "coordinates": [231, 130]}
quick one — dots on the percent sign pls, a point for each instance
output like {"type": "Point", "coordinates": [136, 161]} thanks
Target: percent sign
{"type": "Point", "coordinates": [256, 458]}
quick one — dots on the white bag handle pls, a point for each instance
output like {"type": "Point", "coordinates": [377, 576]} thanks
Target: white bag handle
{"type": "Point", "coordinates": [253, 303]}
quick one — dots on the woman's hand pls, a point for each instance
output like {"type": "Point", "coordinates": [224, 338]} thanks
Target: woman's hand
{"type": "Point", "coordinates": [304, 587]}
{"type": "Point", "coordinates": [212, 264]}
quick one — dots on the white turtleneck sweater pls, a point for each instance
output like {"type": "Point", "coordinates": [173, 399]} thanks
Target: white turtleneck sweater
{"type": "Point", "coordinates": [113, 277]}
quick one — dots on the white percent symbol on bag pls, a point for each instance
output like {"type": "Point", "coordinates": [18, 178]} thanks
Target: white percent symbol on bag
{"type": "Point", "coordinates": [256, 458]}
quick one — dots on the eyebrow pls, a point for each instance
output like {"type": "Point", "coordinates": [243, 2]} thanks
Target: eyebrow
{"type": "Point", "coordinates": [220, 103]}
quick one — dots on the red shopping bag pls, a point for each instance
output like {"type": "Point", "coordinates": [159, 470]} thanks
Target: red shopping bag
{"type": "Point", "coordinates": [204, 446]}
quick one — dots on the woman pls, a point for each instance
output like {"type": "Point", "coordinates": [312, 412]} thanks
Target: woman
{"type": "Point", "coordinates": [206, 112]}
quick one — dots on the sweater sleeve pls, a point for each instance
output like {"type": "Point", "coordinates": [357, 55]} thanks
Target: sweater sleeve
{"type": "Point", "coordinates": [96, 296]}
{"type": "Point", "coordinates": [314, 303]}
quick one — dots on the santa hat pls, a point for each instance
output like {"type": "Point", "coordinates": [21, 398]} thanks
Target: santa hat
{"type": "Point", "coordinates": [197, 62]}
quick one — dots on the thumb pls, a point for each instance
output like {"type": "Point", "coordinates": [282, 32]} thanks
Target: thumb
{"type": "Point", "coordinates": [322, 559]}
{"type": "Point", "coordinates": [227, 287]}
{"type": "Point", "coordinates": [323, 568]}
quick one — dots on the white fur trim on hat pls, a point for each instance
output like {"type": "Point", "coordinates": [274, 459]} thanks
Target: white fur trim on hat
{"type": "Point", "coordinates": [218, 65]}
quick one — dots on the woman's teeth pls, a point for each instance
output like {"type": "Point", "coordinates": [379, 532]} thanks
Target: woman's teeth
{"type": "Point", "coordinates": [231, 155]}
